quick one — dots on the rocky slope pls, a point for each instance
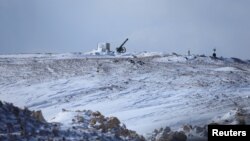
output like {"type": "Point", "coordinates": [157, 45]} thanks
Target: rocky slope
{"type": "Point", "coordinates": [22, 124]}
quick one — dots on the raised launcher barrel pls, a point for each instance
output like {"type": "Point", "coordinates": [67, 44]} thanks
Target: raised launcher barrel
{"type": "Point", "coordinates": [121, 48]}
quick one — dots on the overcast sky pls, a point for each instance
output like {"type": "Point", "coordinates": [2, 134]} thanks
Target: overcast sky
{"type": "Point", "coordinates": [32, 26]}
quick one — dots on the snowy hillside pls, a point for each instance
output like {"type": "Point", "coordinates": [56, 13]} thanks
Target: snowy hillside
{"type": "Point", "coordinates": [146, 91]}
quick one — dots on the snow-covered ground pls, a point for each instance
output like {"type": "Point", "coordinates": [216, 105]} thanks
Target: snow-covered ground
{"type": "Point", "coordinates": [144, 90]}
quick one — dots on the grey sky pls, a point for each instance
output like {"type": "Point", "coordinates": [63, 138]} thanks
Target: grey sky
{"type": "Point", "coordinates": [31, 26]}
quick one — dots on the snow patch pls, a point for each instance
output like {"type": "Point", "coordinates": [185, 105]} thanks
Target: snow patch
{"type": "Point", "coordinates": [226, 69]}
{"type": "Point", "coordinates": [171, 58]}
